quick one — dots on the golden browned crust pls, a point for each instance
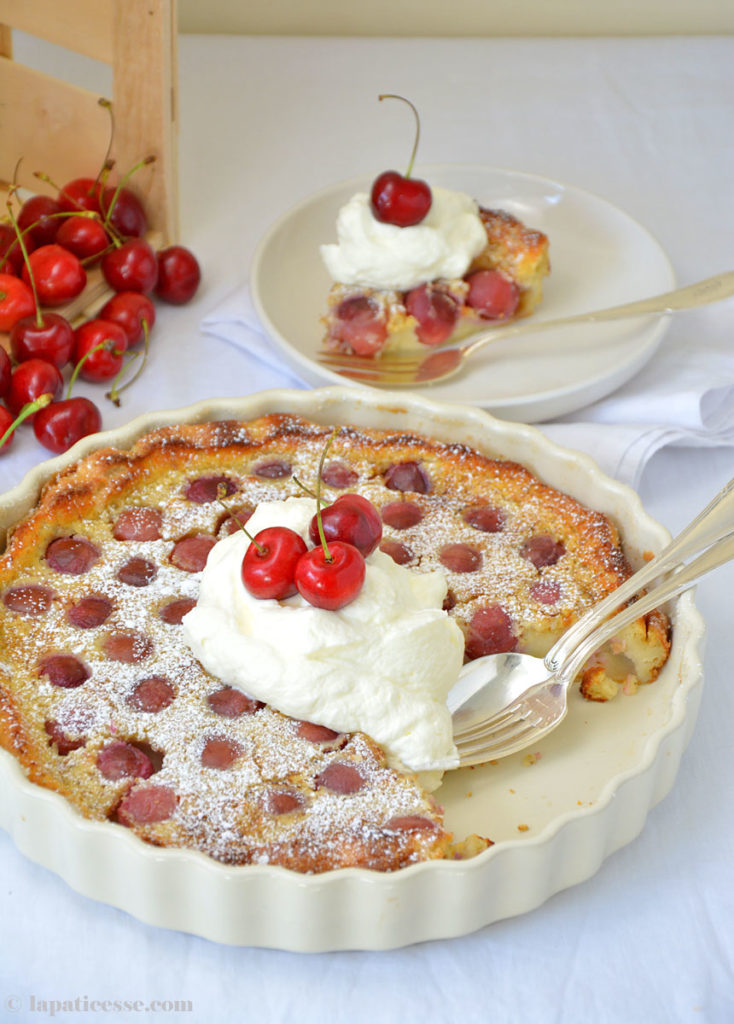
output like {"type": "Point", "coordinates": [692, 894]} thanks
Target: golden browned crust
{"type": "Point", "coordinates": [224, 811]}
{"type": "Point", "coordinates": [520, 252]}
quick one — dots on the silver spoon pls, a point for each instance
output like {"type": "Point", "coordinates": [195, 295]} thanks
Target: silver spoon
{"type": "Point", "coordinates": [503, 703]}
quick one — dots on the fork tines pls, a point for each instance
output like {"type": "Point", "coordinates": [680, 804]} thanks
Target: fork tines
{"type": "Point", "coordinates": [345, 362]}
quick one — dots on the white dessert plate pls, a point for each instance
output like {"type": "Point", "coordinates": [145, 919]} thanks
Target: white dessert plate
{"type": "Point", "coordinates": [600, 257]}
{"type": "Point", "coordinates": [586, 793]}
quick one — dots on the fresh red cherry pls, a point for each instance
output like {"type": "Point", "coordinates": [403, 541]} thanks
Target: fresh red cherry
{"type": "Point", "coordinates": [46, 336]}
{"type": "Point", "coordinates": [492, 294]}
{"type": "Point", "coordinates": [331, 574]}
{"type": "Point", "coordinates": [124, 211]}
{"type": "Point", "coordinates": [36, 219]}
{"type": "Point", "coordinates": [330, 581]}
{"type": "Point", "coordinates": [80, 194]}
{"type": "Point", "coordinates": [130, 310]}
{"type": "Point", "coordinates": [6, 370]}
{"type": "Point", "coordinates": [399, 199]}
{"type": "Point", "coordinates": [62, 424]}
{"type": "Point", "coordinates": [436, 314]}
{"type": "Point", "coordinates": [270, 561]}
{"type": "Point", "coordinates": [350, 518]}
{"type": "Point", "coordinates": [58, 274]}
{"type": "Point", "coordinates": [11, 254]}
{"type": "Point", "coordinates": [132, 267]}
{"type": "Point", "coordinates": [84, 236]}
{"type": "Point", "coordinates": [16, 301]}
{"type": "Point", "coordinates": [179, 275]}
{"type": "Point", "coordinates": [30, 380]}
{"type": "Point", "coordinates": [99, 363]}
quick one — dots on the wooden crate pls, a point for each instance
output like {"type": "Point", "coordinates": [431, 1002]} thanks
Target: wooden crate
{"type": "Point", "coordinates": [59, 128]}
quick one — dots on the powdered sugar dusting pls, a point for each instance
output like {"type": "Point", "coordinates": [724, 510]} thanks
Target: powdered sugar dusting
{"type": "Point", "coordinates": [224, 811]}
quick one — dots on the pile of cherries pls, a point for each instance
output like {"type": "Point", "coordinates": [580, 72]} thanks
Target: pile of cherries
{"type": "Point", "coordinates": [278, 564]}
{"type": "Point", "coordinates": [44, 255]}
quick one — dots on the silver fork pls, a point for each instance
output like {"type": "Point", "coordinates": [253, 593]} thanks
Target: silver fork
{"type": "Point", "coordinates": [513, 700]}
{"type": "Point", "coordinates": [417, 369]}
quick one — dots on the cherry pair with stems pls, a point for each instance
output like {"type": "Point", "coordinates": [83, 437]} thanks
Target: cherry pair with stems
{"type": "Point", "coordinates": [278, 564]}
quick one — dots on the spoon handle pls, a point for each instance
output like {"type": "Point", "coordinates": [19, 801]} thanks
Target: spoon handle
{"type": "Point", "coordinates": [714, 523]}
{"type": "Point", "coordinates": [603, 629]}
{"type": "Point", "coordinates": [712, 289]}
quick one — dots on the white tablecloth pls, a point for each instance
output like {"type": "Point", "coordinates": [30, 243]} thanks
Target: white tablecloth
{"type": "Point", "coordinates": [646, 123]}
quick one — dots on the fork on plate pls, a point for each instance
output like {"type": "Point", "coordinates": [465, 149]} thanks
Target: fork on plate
{"type": "Point", "coordinates": [418, 369]}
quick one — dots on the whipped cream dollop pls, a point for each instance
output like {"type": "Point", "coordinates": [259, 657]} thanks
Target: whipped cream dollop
{"type": "Point", "coordinates": [376, 255]}
{"type": "Point", "coordinates": [382, 665]}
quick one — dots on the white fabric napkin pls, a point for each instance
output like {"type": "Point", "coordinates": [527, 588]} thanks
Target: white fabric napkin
{"type": "Point", "coordinates": [684, 396]}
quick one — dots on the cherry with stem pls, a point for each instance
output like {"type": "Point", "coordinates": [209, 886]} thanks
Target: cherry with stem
{"type": "Point", "coordinates": [40, 335]}
{"type": "Point", "coordinates": [37, 216]}
{"type": "Point", "coordinates": [329, 576]}
{"type": "Point", "coordinates": [269, 564]}
{"type": "Point", "coordinates": [130, 266]}
{"type": "Point", "coordinates": [131, 310]}
{"type": "Point", "coordinates": [103, 344]}
{"type": "Point", "coordinates": [61, 424]}
{"type": "Point", "coordinates": [122, 210]}
{"type": "Point", "coordinates": [396, 198]}
{"type": "Point", "coordinates": [350, 517]}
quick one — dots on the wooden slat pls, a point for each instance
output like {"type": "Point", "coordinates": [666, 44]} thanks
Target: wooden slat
{"type": "Point", "coordinates": [146, 115]}
{"type": "Point", "coordinates": [85, 26]}
{"type": "Point", "coordinates": [55, 127]}
{"type": "Point", "coordinates": [6, 41]}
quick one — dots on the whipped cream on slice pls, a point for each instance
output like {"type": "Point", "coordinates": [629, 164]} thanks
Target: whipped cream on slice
{"type": "Point", "coordinates": [382, 665]}
{"type": "Point", "coordinates": [371, 254]}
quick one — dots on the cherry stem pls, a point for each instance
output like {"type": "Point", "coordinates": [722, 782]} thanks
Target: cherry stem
{"type": "Point", "coordinates": [28, 410]}
{"type": "Point", "coordinates": [89, 260]}
{"type": "Point", "coordinates": [322, 536]}
{"type": "Point", "coordinates": [307, 490]}
{"type": "Point", "coordinates": [114, 393]}
{"type": "Point", "coordinates": [123, 181]}
{"type": "Point", "coordinates": [42, 176]}
{"type": "Point", "coordinates": [19, 234]}
{"type": "Point", "coordinates": [105, 343]}
{"type": "Point", "coordinates": [221, 494]}
{"type": "Point", "coordinates": [394, 96]}
{"type": "Point", "coordinates": [107, 163]}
